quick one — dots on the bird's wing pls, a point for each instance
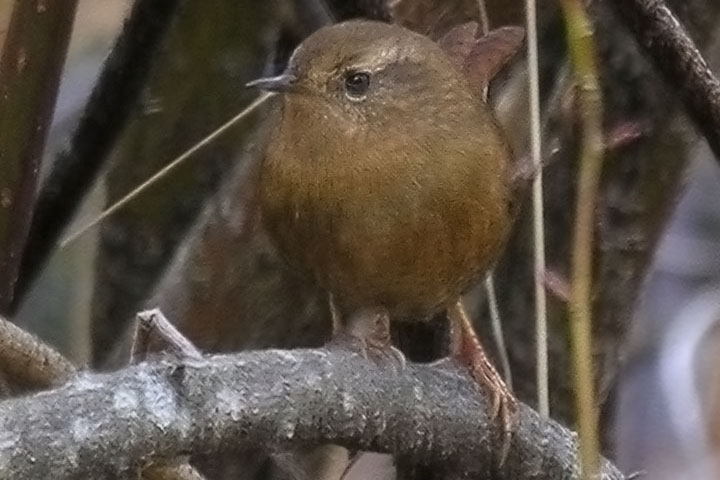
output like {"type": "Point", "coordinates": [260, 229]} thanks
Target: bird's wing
{"type": "Point", "coordinates": [481, 59]}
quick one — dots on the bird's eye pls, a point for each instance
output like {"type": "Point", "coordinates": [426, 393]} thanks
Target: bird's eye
{"type": "Point", "coordinates": [357, 84]}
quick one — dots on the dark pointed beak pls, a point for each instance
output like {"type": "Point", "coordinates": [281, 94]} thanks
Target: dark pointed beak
{"type": "Point", "coordinates": [281, 83]}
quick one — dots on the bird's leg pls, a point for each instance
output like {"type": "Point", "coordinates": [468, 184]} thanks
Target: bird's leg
{"type": "Point", "coordinates": [366, 331]}
{"type": "Point", "coordinates": [466, 348]}
{"type": "Point", "coordinates": [372, 328]}
{"type": "Point", "coordinates": [353, 457]}
{"type": "Point", "coordinates": [335, 316]}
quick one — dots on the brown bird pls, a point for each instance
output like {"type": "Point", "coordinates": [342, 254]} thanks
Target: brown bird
{"type": "Point", "coordinates": [387, 179]}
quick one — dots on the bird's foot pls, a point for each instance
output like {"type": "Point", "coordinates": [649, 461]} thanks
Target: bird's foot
{"type": "Point", "coordinates": [504, 404]}
{"type": "Point", "coordinates": [467, 350]}
{"type": "Point", "coordinates": [368, 333]}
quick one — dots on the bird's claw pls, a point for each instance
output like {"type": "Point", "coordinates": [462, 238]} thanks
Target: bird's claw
{"type": "Point", "coordinates": [503, 407]}
{"type": "Point", "coordinates": [368, 333]}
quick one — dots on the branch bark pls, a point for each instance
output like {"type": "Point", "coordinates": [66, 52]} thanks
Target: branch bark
{"type": "Point", "coordinates": [106, 426]}
{"type": "Point", "coordinates": [674, 53]}
{"type": "Point", "coordinates": [25, 359]}
{"type": "Point", "coordinates": [30, 68]}
{"type": "Point", "coordinates": [29, 361]}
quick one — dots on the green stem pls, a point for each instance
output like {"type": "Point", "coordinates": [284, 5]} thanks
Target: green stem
{"type": "Point", "coordinates": [582, 53]}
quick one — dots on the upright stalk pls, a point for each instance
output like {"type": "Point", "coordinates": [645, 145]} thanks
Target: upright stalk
{"type": "Point", "coordinates": [541, 335]}
{"type": "Point", "coordinates": [32, 59]}
{"type": "Point", "coordinates": [583, 58]}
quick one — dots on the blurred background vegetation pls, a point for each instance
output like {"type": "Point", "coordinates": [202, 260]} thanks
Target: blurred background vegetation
{"type": "Point", "coordinates": [188, 244]}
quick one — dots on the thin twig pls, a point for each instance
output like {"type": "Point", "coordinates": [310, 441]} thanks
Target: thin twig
{"type": "Point", "coordinates": [557, 285]}
{"type": "Point", "coordinates": [583, 58]}
{"type": "Point", "coordinates": [497, 330]}
{"type": "Point", "coordinates": [495, 319]}
{"type": "Point", "coordinates": [164, 171]}
{"type": "Point", "coordinates": [483, 16]}
{"type": "Point", "coordinates": [662, 36]}
{"type": "Point", "coordinates": [106, 113]}
{"type": "Point", "coordinates": [29, 361]}
{"type": "Point", "coordinates": [541, 334]}
{"type": "Point", "coordinates": [153, 322]}
{"type": "Point", "coordinates": [30, 70]}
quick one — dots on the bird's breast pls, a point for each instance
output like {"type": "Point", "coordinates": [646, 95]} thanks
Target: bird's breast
{"type": "Point", "coordinates": [377, 225]}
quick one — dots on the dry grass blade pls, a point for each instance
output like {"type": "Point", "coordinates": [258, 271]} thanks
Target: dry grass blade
{"type": "Point", "coordinates": [165, 170]}
{"type": "Point", "coordinates": [483, 16]}
{"type": "Point", "coordinates": [541, 334]}
{"type": "Point", "coordinates": [497, 330]}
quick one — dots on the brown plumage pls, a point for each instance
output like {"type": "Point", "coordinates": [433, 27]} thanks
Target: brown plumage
{"type": "Point", "coordinates": [386, 177]}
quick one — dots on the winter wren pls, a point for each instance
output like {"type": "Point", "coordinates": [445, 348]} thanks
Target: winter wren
{"type": "Point", "coordinates": [387, 178]}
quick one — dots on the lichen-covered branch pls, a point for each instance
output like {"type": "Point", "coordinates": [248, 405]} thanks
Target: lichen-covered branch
{"type": "Point", "coordinates": [27, 360]}
{"type": "Point", "coordinates": [106, 425]}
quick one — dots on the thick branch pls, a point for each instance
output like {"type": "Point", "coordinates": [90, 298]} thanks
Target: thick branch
{"type": "Point", "coordinates": [102, 426]}
{"type": "Point", "coordinates": [676, 56]}
{"type": "Point", "coordinates": [28, 360]}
